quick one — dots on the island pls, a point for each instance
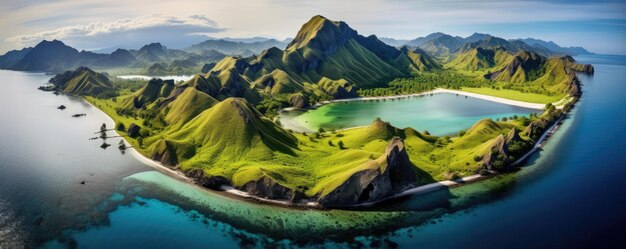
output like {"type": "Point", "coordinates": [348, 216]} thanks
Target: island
{"type": "Point", "coordinates": [220, 128]}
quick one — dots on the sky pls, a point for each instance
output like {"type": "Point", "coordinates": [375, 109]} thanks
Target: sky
{"type": "Point", "coordinates": [599, 26]}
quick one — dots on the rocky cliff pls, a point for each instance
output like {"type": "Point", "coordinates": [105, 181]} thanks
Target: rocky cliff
{"type": "Point", "coordinates": [395, 175]}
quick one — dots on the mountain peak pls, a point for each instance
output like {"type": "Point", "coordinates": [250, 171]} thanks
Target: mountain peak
{"type": "Point", "coordinates": [153, 46]}
{"type": "Point", "coordinates": [477, 37]}
{"type": "Point", "coordinates": [51, 44]}
{"type": "Point", "coordinates": [321, 33]}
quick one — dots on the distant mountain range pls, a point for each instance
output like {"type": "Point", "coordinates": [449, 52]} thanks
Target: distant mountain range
{"type": "Point", "coordinates": [154, 58]}
{"type": "Point", "coordinates": [55, 56]}
{"type": "Point", "coordinates": [440, 44]}
{"type": "Point", "coordinates": [237, 47]}
{"type": "Point", "coordinates": [214, 126]}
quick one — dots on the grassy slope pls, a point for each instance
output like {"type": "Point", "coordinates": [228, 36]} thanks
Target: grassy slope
{"type": "Point", "coordinates": [108, 106]}
{"type": "Point", "coordinates": [231, 139]}
{"type": "Point", "coordinates": [88, 83]}
{"type": "Point", "coordinates": [549, 86]}
{"type": "Point", "coordinates": [223, 144]}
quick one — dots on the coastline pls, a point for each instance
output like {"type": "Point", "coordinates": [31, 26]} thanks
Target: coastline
{"type": "Point", "coordinates": [299, 125]}
{"type": "Point", "coordinates": [179, 175]}
{"type": "Point", "coordinates": [472, 178]}
{"type": "Point", "coordinates": [423, 189]}
{"type": "Point", "coordinates": [518, 103]}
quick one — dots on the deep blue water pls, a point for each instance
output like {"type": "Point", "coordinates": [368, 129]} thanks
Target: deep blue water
{"type": "Point", "coordinates": [571, 194]}
{"type": "Point", "coordinates": [579, 202]}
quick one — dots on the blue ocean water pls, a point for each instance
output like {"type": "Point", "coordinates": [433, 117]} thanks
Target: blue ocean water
{"type": "Point", "coordinates": [571, 194]}
{"type": "Point", "coordinates": [579, 201]}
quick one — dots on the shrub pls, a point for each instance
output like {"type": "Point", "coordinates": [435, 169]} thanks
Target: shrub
{"type": "Point", "coordinates": [121, 127]}
{"type": "Point", "coordinates": [499, 162]}
{"type": "Point", "coordinates": [341, 145]}
{"type": "Point", "coordinates": [330, 143]}
{"type": "Point", "coordinates": [477, 158]}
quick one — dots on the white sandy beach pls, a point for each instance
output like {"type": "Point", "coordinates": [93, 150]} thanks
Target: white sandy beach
{"type": "Point", "coordinates": [301, 126]}
{"type": "Point", "coordinates": [414, 191]}
{"type": "Point", "coordinates": [442, 90]}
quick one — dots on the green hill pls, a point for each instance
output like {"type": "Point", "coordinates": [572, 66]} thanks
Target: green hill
{"type": "Point", "coordinates": [420, 60]}
{"type": "Point", "coordinates": [442, 46]}
{"type": "Point", "coordinates": [153, 90]}
{"type": "Point", "coordinates": [187, 105]}
{"type": "Point", "coordinates": [323, 49]}
{"type": "Point", "coordinates": [155, 69]}
{"type": "Point", "coordinates": [211, 128]}
{"type": "Point", "coordinates": [520, 68]}
{"type": "Point", "coordinates": [83, 81]}
{"type": "Point", "coordinates": [478, 59]}
{"type": "Point", "coordinates": [278, 82]}
{"type": "Point", "coordinates": [229, 133]}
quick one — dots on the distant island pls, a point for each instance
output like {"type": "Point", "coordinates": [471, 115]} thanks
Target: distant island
{"type": "Point", "coordinates": [220, 127]}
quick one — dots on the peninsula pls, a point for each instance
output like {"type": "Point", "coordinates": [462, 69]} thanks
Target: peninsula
{"type": "Point", "coordinates": [220, 128]}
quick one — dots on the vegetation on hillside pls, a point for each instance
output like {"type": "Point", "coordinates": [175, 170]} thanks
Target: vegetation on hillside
{"type": "Point", "coordinates": [217, 127]}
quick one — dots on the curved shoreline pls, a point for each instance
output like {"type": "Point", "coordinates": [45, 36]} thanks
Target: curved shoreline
{"type": "Point", "coordinates": [423, 189]}
{"type": "Point", "coordinates": [518, 103]}
{"type": "Point", "coordinates": [299, 125]}
{"type": "Point", "coordinates": [179, 175]}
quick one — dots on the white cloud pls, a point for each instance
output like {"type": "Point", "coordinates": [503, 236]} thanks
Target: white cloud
{"type": "Point", "coordinates": [24, 20]}
{"type": "Point", "coordinates": [127, 31]}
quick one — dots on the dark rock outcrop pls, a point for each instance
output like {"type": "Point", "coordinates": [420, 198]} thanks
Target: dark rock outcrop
{"type": "Point", "coordinates": [581, 68]}
{"type": "Point", "coordinates": [573, 87]}
{"type": "Point", "coordinates": [513, 136]}
{"type": "Point", "coordinates": [165, 153]}
{"type": "Point", "coordinates": [497, 158]}
{"type": "Point", "coordinates": [587, 68]}
{"type": "Point", "coordinates": [298, 100]}
{"type": "Point", "coordinates": [504, 151]}
{"type": "Point", "coordinates": [267, 187]}
{"type": "Point", "coordinates": [376, 183]}
{"type": "Point", "coordinates": [343, 92]}
{"type": "Point", "coordinates": [207, 67]}
{"type": "Point", "coordinates": [212, 182]}
{"type": "Point", "coordinates": [532, 131]}
{"type": "Point", "coordinates": [133, 130]}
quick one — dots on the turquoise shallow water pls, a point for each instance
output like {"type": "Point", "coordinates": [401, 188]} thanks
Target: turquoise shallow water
{"type": "Point", "coordinates": [440, 114]}
{"type": "Point", "coordinates": [569, 196]}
